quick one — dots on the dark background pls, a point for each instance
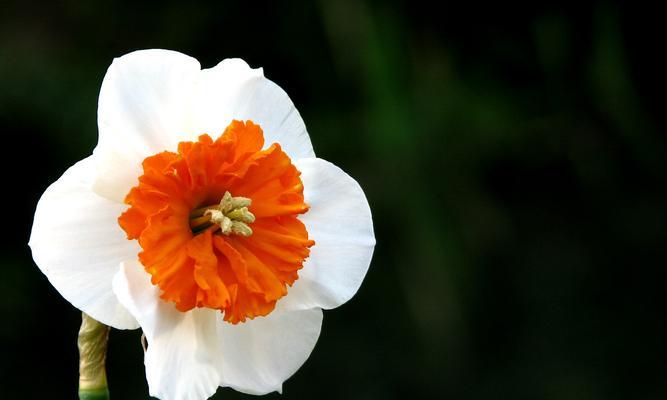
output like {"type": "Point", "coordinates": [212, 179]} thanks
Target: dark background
{"type": "Point", "coordinates": [514, 158]}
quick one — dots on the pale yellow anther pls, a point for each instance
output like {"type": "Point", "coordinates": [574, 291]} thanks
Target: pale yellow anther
{"type": "Point", "coordinates": [241, 228]}
{"type": "Point", "coordinates": [241, 214]}
{"type": "Point", "coordinates": [232, 215]}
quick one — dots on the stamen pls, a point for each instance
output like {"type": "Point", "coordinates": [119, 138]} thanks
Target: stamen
{"type": "Point", "coordinates": [231, 216]}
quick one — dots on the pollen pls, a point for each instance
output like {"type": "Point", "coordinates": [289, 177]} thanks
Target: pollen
{"type": "Point", "coordinates": [218, 223]}
{"type": "Point", "coordinates": [231, 215]}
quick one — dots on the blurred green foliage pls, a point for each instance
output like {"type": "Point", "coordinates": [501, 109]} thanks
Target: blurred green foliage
{"type": "Point", "coordinates": [513, 156]}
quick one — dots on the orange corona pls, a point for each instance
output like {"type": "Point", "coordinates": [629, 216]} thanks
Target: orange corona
{"type": "Point", "coordinates": [217, 223]}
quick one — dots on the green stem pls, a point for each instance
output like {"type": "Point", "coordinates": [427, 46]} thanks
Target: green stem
{"type": "Point", "coordinates": [92, 342]}
{"type": "Point", "coordinates": [94, 394]}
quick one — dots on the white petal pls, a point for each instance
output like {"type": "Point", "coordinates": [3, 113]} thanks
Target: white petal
{"type": "Point", "coordinates": [143, 109]}
{"type": "Point", "coordinates": [183, 347]}
{"type": "Point", "coordinates": [340, 223]}
{"type": "Point", "coordinates": [260, 354]}
{"type": "Point", "coordinates": [78, 245]}
{"type": "Point", "coordinates": [232, 90]}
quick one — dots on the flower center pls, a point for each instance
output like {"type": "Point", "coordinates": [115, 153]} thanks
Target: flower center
{"type": "Point", "coordinates": [231, 216]}
{"type": "Point", "coordinates": [205, 247]}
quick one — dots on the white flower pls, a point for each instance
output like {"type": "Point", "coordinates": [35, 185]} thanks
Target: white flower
{"type": "Point", "coordinates": [242, 244]}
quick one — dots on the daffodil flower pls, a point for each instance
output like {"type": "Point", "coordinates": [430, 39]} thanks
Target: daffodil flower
{"type": "Point", "coordinates": [204, 217]}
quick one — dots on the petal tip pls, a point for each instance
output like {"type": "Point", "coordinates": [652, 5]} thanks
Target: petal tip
{"type": "Point", "coordinates": [239, 64]}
